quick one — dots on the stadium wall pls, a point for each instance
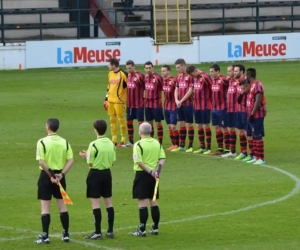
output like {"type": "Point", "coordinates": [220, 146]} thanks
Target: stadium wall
{"type": "Point", "coordinates": [96, 52]}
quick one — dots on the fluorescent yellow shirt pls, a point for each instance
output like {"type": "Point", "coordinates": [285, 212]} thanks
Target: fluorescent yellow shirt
{"type": "Point", "coordinates": [117, 84]}
{"type": "Point", "coordinates": [54, 150]}
{"type": "Point", "coordinates": [148, 151]}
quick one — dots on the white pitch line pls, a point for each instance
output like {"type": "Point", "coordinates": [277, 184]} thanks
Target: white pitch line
{"type": "Point", "coordinates": [23, 230]}
{"type": "Point", "coordinates": [295, 191]}
{"type": "Point", "coordinates": [15, 238]}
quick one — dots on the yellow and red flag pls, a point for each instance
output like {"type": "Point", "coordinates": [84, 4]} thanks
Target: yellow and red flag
{"type": "Point", "coordinates": [65, 196]}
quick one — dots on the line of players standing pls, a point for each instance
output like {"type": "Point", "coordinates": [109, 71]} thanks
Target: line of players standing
{"type": "Point", "coordinates": [232, 103]}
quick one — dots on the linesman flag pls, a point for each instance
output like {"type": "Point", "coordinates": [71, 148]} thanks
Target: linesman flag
{"type": "Point", "coordinates": [65, 196]}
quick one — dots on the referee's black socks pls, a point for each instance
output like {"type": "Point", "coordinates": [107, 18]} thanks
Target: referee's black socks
{"type": "Point", "coordinates": [98, 218]}
{"type": "Point", "coordinates": [111, 218]}
{"type": "Point", "coordinates": [45, 223]}
{"type": "Point", "coordinates": [155, 216]}
{"type": "Point", "coordinates": [143, 218]}
{"type": "Point", "coordinates": [64, 219]}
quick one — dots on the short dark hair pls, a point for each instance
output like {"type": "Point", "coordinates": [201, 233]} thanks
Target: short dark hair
{"type": "Point", "coordinates": [167, 67]}
{"type": "Point", "coordinates": [148, 63]}
{"type": "Point", "coordinates": [130, 62]}
{"type": "Point", "coordinates": [216, 67]}
{"type": "Point", "coordinates": [100, 126]}
{"type": "Point", "coordinates": [180, 61]}
{"type": "Point", "coordinates": [244, 82]}
{"type": "Point", "coordinates": [114, 62]}
{"type": "Point", "coordinates": [53, 124]}
{"type": "Point", "coordinates": [190, 69]}
{"type": "Point", "coordinates": [251, 72]}
{"type": "Point", "coordinates": [241, 67]}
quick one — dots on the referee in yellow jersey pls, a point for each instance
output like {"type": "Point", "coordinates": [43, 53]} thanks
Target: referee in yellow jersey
{"type": "Point", "coordinates": [55, 153]}
{"type": "Point", "coordinates": [115, 100]}
{"type": "Point", "coordinates": [147, 154]}
{"type": "Point", "coordinates": [100, 156]}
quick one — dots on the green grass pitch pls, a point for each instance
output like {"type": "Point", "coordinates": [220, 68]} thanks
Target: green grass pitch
{"type": "Point", "coordinates": [206, 202]}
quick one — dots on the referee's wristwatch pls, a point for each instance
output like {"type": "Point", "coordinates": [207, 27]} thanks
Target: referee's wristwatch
{"type": "Point", "coordinates": [63, 174]}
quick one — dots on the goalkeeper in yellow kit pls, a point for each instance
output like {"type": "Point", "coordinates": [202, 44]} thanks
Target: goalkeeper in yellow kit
{"type": "Point", "coordinates": [115, 100]}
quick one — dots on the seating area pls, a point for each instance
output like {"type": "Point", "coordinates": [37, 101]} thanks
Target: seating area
{"type": "Point", "coordinates": [222, 16]}
{"type": "Point", "coordinates": [36, 20]}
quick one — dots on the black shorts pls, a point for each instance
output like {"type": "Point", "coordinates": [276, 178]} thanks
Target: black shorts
{"type": "Point", "coordinates": [143, 186]}
{"type": "Point", "coordinates": [99, 184]}
{"type": "Point", "coordinates": [46, 189]}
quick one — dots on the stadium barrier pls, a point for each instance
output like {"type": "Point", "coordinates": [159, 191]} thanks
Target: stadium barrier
{"type": "Point", "coordinates": [87, 53]}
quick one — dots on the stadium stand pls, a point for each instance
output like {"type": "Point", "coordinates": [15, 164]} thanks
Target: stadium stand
{"type": "Point", "coordinates": [27, 19]}
{"type": "Point", "coordinates": [220, 16]}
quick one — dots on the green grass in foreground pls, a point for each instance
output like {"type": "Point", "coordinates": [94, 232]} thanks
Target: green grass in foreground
{"type": "Point", "coordinates": [197, 192]}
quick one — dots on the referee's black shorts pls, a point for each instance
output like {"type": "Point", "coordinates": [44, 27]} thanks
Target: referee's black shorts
{"type": "Point", "coordinates": [99, 184]}
{"type": "Point", "coordinates": [143, 186]}
{"type": "Point", "coordinates": [46, 189]}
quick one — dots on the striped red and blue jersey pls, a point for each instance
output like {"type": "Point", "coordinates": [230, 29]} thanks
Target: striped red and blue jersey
{"type": "Point", "coordinates": [219, 93]}
{"type": "Point", "coordinates": [135, 90]}
{"type": "Point", "coordinates": [256, 88]}
{"type": "Point", "coordinates": [184, 83]}
{"type": "Point", "coordinates": [233, 94]}
{"type": "Point", "coordinates": [241, 107]}
{"type": "Point", "coordinates": [169, 89]}
{"type": "Point", "coordinates": [202, 92]}
{"type": "Point", "coordinates": [153, 87]}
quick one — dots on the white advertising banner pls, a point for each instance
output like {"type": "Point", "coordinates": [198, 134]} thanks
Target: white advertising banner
{"type": "Point", "coordinates": [83, 53]}
{"type": "Point", "coordinates": [249, 47]}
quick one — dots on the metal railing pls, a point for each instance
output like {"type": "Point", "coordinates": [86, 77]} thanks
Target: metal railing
{"type": "Point", "coordinates": [119, 23]}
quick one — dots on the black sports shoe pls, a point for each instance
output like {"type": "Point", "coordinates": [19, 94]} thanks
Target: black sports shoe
{"type": "Point", "coordinates": [153, 230]}
{"type": "Point", "coordinates": [94, 236]}
{"type": "Point", "coordinates": [138, 232]}
{"type": "Point", "coordinates": [110, 235]}
{"type": "Point", "coordinates": [65, 237]}
{"type": "Point", "coordinates": [43, 239]}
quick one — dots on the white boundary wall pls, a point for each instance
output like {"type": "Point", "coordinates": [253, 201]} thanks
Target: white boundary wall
{"type": "Point", "coordinates": [96, 52]}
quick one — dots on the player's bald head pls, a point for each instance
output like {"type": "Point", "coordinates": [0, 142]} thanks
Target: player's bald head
{"type": "Point", "coordinates": [145, 129]}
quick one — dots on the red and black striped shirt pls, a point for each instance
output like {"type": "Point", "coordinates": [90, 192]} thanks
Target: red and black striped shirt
{"type": "Point", "coordinates": [219, 93]}
{"type": "Point", "coordinates": [135, 90]}
{"type": "Point", "coordinates": [202, 92]}
{"type": "Point", "coordinates": [256, 88]}
{"type": "Point", "coordinates": [184, 83]}
{"type": "Point", "coordinates": [153, 87]}
{"type": "Point", "coordinates": [169, 89]}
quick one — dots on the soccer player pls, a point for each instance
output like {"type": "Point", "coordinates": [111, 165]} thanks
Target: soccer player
{"type": "Point", "coordinates": [256, 112]}
{"type": "Point", "coordinates": [115, 100]}
{"type": "Point", "coordinates": [135, 99]}
{"type": "Point", "coordinates": [219, 108]}
{"type": "Point", "coordinates": [147, 153]}
{"type": "Point", "coordinates": [241, 118]}
{"type": "Point", "coordinates": [170, 107]}
{"type": "Point", "coordinates": [202, 107]}
{"type": "Point", "coordinates": [153, 100]}
{"type": "Point", "coordinates": [231, 99]}
{"type": "Point", "coordinates": [184, 100]}
{"type": "Point", "coordinates": [100, 156]}
{"type": "Point", "coordinates": [53, 152]}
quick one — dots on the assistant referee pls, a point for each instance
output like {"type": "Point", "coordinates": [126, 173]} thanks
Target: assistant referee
{"type": "Point", "coordinates": [53, 152]}
{"type": "Point", "coordinates": [147, 154]}
{"type": "Point", "coordinates": [100, 157]}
